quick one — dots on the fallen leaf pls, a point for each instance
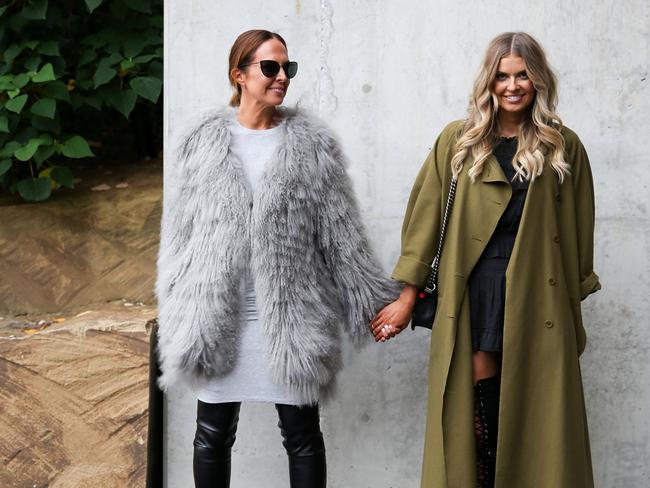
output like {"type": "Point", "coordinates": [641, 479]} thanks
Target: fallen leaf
{"type": "Point", "coordinates": [102, 187]}
{"type": "Point", "coordinates": [30, 329]}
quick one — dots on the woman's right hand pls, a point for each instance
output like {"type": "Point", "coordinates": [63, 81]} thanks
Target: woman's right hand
{"type": "Point", "coordinates": [394, 317]}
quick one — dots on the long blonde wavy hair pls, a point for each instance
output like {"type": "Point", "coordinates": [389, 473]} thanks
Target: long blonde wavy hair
{"type": "Point", "coordinates": [539, 135]}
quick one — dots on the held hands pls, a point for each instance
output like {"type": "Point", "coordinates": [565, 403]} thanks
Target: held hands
{"type": "Point", "coordinates": [394, 317]}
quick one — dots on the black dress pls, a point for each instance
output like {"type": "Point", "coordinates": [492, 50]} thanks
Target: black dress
{"type": "Point", "coordinates": [487, 283]}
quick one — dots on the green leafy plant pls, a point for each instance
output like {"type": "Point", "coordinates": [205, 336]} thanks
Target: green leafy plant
{"type": "Point", "coordinates": [62, 59]}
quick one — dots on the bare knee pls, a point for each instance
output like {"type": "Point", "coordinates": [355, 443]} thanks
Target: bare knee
{"type": "Point", "coordinates": [484, 365]}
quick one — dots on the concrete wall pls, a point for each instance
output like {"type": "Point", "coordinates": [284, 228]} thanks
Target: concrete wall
{"type": "Point", "coordinates": [388, 75]}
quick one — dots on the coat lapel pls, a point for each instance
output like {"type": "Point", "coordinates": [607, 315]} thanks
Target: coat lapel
{"type": "Point", "coordinates": [492, 172]}
{"type": "Point", "coordinates": [477, 209]}
{"type": "Point", "coordinates": [483, 204]}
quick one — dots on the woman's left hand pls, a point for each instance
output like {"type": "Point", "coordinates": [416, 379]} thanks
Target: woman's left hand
{"type": "Point", "coordinates": [394, 317]}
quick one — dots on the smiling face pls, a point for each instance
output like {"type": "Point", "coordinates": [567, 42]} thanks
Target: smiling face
{"type": "Point", "coordinates": [512, 86]}
{"type": "Point", "coordinates": [258, 89]}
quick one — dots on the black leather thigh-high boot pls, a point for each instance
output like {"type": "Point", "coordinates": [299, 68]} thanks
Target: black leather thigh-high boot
{"type": "Point", "coordinates": [303, 441]}
{"type": "Point", "coordinates": [486, 418]}
{"type": "Point", "coordinates": [216, 426]}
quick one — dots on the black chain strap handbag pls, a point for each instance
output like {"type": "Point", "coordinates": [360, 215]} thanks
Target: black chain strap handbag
{"type": "Point", "coordinates": [426, 301]}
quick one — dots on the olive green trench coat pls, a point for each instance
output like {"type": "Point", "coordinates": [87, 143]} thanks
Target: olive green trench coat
{"type": "Point", "coordinates": [543, 440]}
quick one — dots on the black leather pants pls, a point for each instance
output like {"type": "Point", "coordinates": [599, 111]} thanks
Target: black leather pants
{"type": "Point", "coordinates": [303, 441]}
{"type": "Point", "coordinates": [216, 425]}
{"type": "Point", "coordinates": [215, 436]}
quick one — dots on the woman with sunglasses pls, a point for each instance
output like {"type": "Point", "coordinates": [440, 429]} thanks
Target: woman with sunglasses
{"type": "Point", "coordinates": [505, 389]}
{"type": "Point", "coordinates": [263, 255]}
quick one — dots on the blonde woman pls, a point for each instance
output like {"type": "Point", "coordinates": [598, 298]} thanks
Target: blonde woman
{"type": "Point", "coordinates": [505, 390]}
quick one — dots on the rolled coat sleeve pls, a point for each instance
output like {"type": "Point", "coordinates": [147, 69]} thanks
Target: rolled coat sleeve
{"type": "Point", "coordinates": [421, 226]}
{"type": "Point", "coordinates": [585, 218]}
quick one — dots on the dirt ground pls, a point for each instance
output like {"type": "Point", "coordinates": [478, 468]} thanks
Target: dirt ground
{"type": "Point", "coordinates": [76, 293]}
{"type": "Point", "coordinates": [83, 245]}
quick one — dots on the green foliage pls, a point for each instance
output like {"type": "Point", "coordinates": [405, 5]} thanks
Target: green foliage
{"type": "Point", "coordinates": [76, 147]}
{"type": "Point", "coordinates": [35, 189]}
{"type": "Point", "coordinates": [61, 58]}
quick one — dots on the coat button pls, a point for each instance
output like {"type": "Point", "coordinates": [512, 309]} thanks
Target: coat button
{"type": "Point", "coordinates": [548, 324]}
{"type": "Point", "coordinates": [551, 281]}
{"type": "Point", "coordinates": [556, 239]}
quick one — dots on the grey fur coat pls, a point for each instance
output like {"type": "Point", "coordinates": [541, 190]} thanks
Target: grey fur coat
{"type": "Point", "coordinates": [302, 235]}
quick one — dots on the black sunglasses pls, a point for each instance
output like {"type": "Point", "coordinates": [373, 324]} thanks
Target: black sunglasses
{"type": "Point", "coordinates": [272, 68]}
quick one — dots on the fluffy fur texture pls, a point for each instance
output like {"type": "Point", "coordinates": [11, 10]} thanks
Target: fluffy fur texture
{"type": "Point", "coordinates": [303, 237]}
